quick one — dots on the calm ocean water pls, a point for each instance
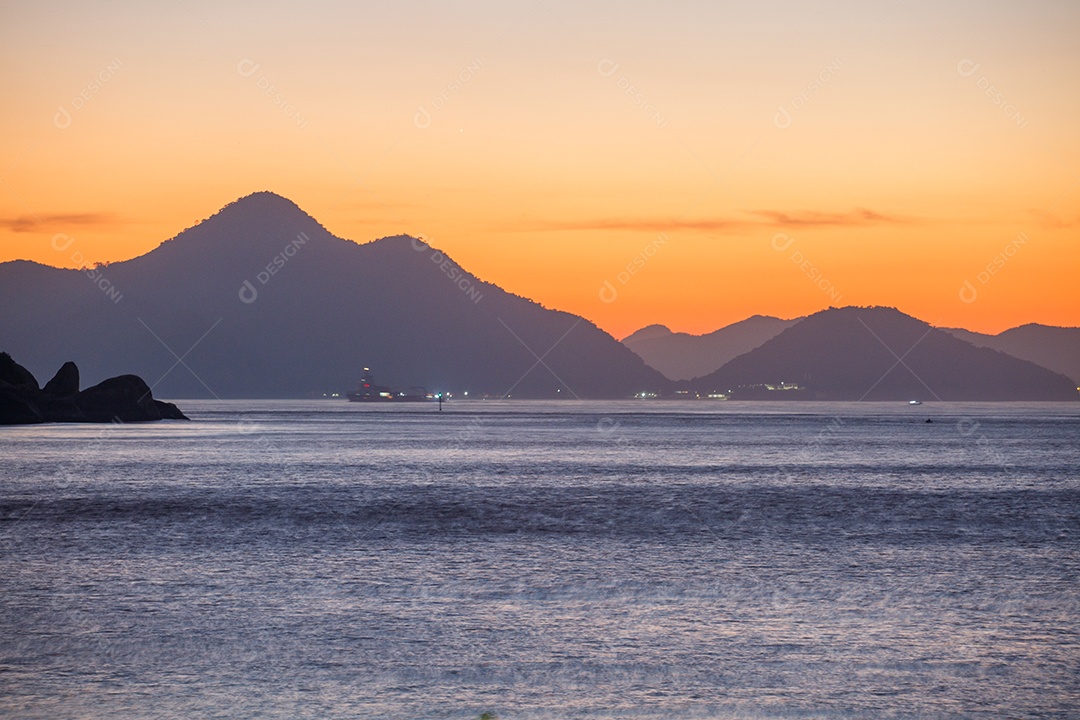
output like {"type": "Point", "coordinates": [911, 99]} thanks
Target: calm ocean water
{"type": "Point", "coordinates": [545, 560]}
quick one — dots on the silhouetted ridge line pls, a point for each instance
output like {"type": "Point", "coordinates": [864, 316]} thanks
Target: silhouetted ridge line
{"type": "Point", "coordinates": [878, 353]}
{"type": "Point", "coordinates": [286, 309]}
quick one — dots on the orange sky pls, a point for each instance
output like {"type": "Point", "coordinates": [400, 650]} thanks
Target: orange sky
{"type": "Point", "coordinates": [756, 157]}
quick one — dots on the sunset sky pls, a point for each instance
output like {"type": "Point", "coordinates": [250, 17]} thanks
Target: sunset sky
{"type": "Point", "coordinates": [740, 158]}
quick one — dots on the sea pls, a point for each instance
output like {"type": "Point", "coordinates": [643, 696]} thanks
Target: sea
{"type": "Point", "coordinates": [564, 559]}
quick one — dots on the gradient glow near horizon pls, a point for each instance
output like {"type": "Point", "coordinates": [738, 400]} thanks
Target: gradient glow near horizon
{"type": "Point", "coordinates": [687, 165]}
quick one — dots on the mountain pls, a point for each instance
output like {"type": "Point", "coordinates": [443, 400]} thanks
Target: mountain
{"type": "Point", "coordinates": [1056, 348]}
{"type": "Point", "coordinates": [261, 301]}
{"type": "Point", "coordinates": [878, 353]}
{"type": "Point", "coordinates": [681, 356]}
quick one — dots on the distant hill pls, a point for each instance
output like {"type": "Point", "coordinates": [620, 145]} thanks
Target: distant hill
{"type": "Point", "coordinates": [681, 356]}
{"type": "Point", "coordinates": [878, 353]}
{"type": "Point", "coordinates": [261, 301]}
{"type": "Point", "coordinates": [1056, 348]}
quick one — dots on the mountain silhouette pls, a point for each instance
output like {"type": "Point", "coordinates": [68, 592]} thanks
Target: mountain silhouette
{"type": "Point", "coordinates": [681, 356]}
{"type": "Point", "coordinates": [260, 300]}
{"type": "Point", "coordinates": [879, 353]}
{"type": "Point", "coordinates": [1056, 348]}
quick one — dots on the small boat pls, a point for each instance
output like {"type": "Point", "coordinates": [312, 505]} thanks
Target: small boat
{"type": "Point", "coordinates": [368, 391]}
{"type": "Point", "coordinates": [914, 402]}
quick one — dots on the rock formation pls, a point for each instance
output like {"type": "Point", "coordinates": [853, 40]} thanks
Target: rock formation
{"type": "Point", "coordinates": [65, 382]}
{"type": "Point", "coordinates": [125, 398]}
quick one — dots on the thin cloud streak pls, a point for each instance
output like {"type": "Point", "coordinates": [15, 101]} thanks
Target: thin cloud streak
{"type": "Point", "coordinates": [1054, 222]}
{"type": "Point", "coordinates": [657, 224]}
{"type": "Point", "coordinates": [809, 218]}
{"type": "Point", "coordinates": [859, 217]}
{"type": "Point", "coordinates": [55, 221]}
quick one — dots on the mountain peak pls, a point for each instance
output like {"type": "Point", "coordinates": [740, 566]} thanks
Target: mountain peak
{"type": "Point", "coordinates": [398, 242]}
{"type": "Point", "coordinates": [263, 196]}
{"type": "Point", "coordinates": [648, 332]}
{"type": "Point", "coordinates": [239, 238]}
{"type": "Point", "coordinates": [1056, 348]}
{"type": "Point", "coordinates": [682, 356]}
{"type": "Point", "coordinates": [881, 353]}
{"type": "Point", "coordinates": [265, 302]}
{"type": "Point", "coordinates": [264, 205]}
{"type": "Point", "coordinates": [852, 310]}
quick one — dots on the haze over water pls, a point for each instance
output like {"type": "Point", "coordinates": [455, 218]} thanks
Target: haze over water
{"type": "Point", "coordinates": [621, 559]}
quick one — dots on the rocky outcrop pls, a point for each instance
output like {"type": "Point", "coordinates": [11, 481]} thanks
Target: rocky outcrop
{"type": "Point", "coordinates": [65, 382]}
{"type": "Point", "coordinates": [14, 375]}
{"type": "Point", "coordinates": [14, 410]}
{"type": "Point", "coordinates": [126, 398]}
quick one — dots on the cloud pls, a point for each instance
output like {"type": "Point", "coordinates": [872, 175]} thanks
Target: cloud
{"type": "Point", "coordinates": [650, 224]}
{"type": "Point", "coordinates": [858, 217]}
{"type": "Point", "coordinates": [55, 221]}
{"type": "Point", "coordinates": [1053, 222]}
{"type": "Point", "coordinates": [811, 218]}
